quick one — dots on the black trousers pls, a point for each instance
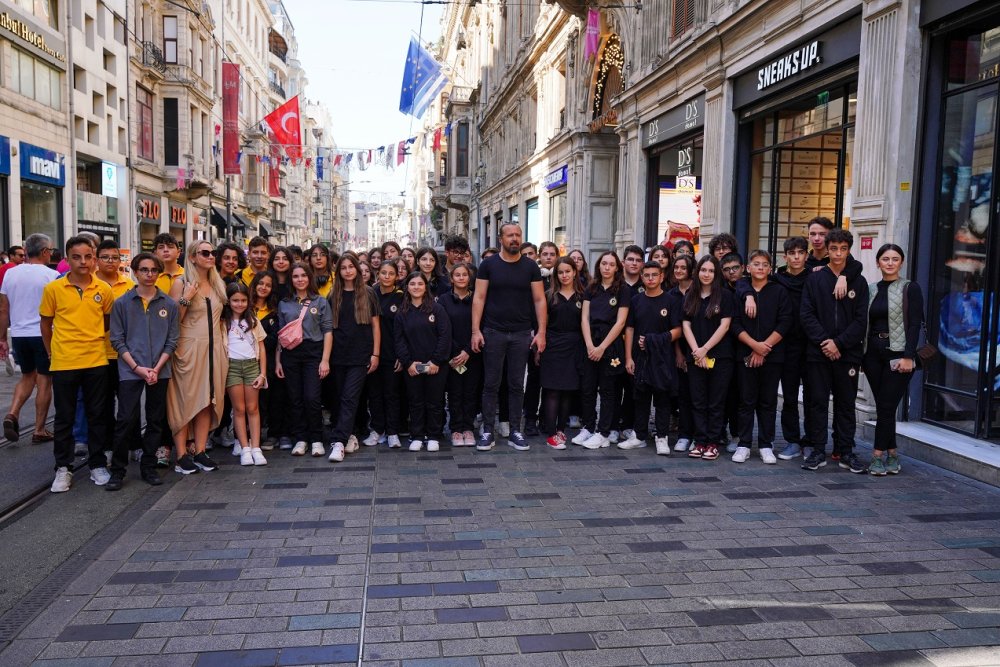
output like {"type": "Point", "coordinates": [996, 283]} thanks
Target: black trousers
{"type": "Point", "coordinates": [501, 347]}
{"type": "Point", "coordinates": [598, 381]}
{"type": "Point", "coordinates": [532, 391]}
{"type": "Point", "coordinates": [626, 407]}
{"type": "Point", "coordinates": [685, 424]}
{"type": "Point", "coordinates": [274, 401]}
{"type": "Point", "coordinates": [792, 376]}
{"type": "Point", "coordinates": [888, 386]}
{"type": "Point", "coordinates": [350, 383]}
{"type": "Point", "coordinates": [709, 390]}
{"type": "Point", "coordinates": [66, 385]}
{"type": "Point", "coordinates": [127, 424]}
{"type": "Point", "coordinates": [385, 387]}
{"type": "Point", "coordinates": [426, 396]}
{"type": "Point", "coordinates": [661, 400]}
{"type": "Point", "coordinates": [732, 405]}
{"type": "Point", "coordinates": [462, 397]}
{"type": "Point", "coordinates": [109, 404]}
{"type": "Point", "coordinates": [824, 377]}
{"type": "Point", "coordinates": [301, 366]}
{"type": "Point", "coordinates": [759, 397]}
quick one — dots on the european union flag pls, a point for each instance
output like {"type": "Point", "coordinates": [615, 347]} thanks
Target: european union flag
{"type": "Point", "coordinates": [423, 80]}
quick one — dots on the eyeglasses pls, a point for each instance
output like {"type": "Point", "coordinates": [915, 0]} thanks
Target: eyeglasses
{"type": "Point", "coordinates": [110, 258]}
{"type": "Point", "coordinates": [206, 253]}
{"type": "Point", "coordinates": [147, 271]}
{"type": "Point", "coordinates": [732, 269]}
{"type": "Point", "coordinates": [759, 266]}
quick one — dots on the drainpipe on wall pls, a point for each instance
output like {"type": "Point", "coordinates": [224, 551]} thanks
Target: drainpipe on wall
{"type": "Point", "coordinates": [70, 89]}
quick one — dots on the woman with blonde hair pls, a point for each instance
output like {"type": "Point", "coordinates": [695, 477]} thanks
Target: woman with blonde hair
{"type": "Point", "coordinates": [195, 397]}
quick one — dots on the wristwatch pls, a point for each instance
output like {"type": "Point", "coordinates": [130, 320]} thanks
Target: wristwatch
{"type": "Point", "coordinates": [184, 302]}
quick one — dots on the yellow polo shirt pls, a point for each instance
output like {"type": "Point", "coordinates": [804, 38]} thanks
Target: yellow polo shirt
{"type": "Point", "coordinates": [122, 285]}
{"type": "Point", "coordinates": [166, 280]}
{"type": "Point", "coordinates": [78, 326]}
{"type": "Point", "coordinates": [246, 275]}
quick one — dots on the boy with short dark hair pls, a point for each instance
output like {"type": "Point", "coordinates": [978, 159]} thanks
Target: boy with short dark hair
{"type": "Point", "coordinates": [258, 253]}
{"type": "Point", "coordinates": [165, 247]}
{"type": "Point", "coordinates": [722, 245]}
{"type": "Point", "coordinates": [792, 276]}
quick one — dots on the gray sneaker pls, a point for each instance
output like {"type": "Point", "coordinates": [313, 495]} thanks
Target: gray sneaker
{"type": "Point", "coordinates": [790, 452]}
{"type": "Point", "coordinates": [100, 476]}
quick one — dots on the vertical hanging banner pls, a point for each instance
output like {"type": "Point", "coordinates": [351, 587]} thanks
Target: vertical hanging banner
{"type": "Point", "coordinates": [319, 168]}
{"type": "Point", "coordinates": [230, 119]}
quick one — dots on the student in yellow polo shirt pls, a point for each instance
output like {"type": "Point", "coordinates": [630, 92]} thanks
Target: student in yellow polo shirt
{"type": "Point", "coordinates": [109, 260]}
{"type": "Point", "coordinates": [258, 253]}
{"type": "Point", "coordinates": [74, 312]}
{"type": "Point", "coordinates": [165, 247]}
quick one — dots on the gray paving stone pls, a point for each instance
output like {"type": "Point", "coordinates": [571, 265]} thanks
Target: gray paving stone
{"type": "Point", "coordinates": [898, 641]}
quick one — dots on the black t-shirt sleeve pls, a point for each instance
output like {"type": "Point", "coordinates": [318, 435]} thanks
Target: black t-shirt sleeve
{"type": "Point", "coordinates": [535, 272]}
{"type": "Point", "coordinates": [484, 269]}
{"type": "Point", "coordinates": [727, 305]}
{"type": "Point", "coordinates": [624, 296]}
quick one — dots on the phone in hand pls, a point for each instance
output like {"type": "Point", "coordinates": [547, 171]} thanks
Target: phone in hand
{"type": "Point", "coordinates": [461, 369]}
{"type": "Point", "coordinates": [710, 363]}
{"type": "Point", "coordinates": [422, 368]}
{"type": "Point", "coordinates": [894, 364]}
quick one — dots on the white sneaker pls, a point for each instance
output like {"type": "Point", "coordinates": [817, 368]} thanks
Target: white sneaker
{"type": "Point", "coordinates": [336, 453]}
{"type": "Point", "coordinates": [100, 476]}
{"type": "Point", "coordinates": [682, 445]}
{"type": "Point", "coordinates": [583, 436]}
{"type": "Point", "coordinates": [596, 441]}
{"type": "Point", "coordinates": [62, 481]}
{"type": "Point", "coordinates": [394, 442]}
{"type": "Point", "coordinates": [767, 456]}
{"type": "Point", "coordinates": [416, 445]}
{"type": "Point", "coordinates": [433, 445]}
{"type": "Point", "coordinates": [613, 437]}
{"type": "Point", "coordinates": [372, 439]}
{"type": "Point", "coordinates": [318, 449]}
{"type": "Point", "coordinates": [504, 429]}
{"type": "Point", "coordinates": [741, 454]}
{"type": "Point", "coordinates": [574, 421]}
{"type": "Point", "coordinates": [662, 446]}
{"type": "Point", "coordinates": [258, 457]}
{"type": "Point", "coordinates": [352, 445]}
{"type": "Point", "coordinates": [631, 443]}
{"type": "Point", "coordinates": [246, 457]}
{"type": "Point", "coordinates": [299, 449]}
{"type": "Point", "coordinates": [238, 450]}
{"type": "Point", "coordinates": [628, 433]}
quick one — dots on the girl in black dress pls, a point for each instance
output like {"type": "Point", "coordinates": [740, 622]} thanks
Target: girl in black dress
{"type": "Point", "coordinates": [466, 366]}
{"type": "Point", "coordinates": [561, 363]}
{"type": "Point", "coordinates": [429, 265]}
{"type": "Point", "coordinates": [683, 271]}
{"type": "Point", "coordinates": [385, 385]}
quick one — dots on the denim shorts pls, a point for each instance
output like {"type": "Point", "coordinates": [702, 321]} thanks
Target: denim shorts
{"type": "Point", "coordinates": [242, 372]}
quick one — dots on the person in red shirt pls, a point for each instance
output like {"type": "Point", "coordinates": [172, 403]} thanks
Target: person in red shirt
{"type": "Point", "coordinates": [16, 254]}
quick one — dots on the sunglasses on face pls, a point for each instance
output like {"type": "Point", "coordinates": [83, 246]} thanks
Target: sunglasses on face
{"type": "Point", "coordinates": [206, 253]}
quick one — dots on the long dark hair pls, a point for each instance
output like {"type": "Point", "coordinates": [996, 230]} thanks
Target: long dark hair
{"type": "Point", "coordinates": [248, 320]}
{"type": "Point", "coordinates": [554, 285]}
{"type": "Point", "coordinates": [362, 297]}
{"type": "Point", "coordinates": [437, 273]}
{"type": "Point", "coordinates": [598, 280]}
{"type": "Point", "coordinates": [425, 305]}
{"type": "Point", "coordinates": [291, 262]}
{"type": "Point", "coordinates": [272, 298]}
{"type": "Point", "coordinates": [311, 289]}
{"type": "Point", "coordinates": [687, 261]}
{"type": "Point", "coordinates": [583, 274]}
{"type": "Point", "coordinates": [692, 300]}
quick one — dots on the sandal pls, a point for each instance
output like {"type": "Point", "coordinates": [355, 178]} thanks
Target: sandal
{"type": "Point", "coordinates": [711, 453]}
{"type": "Point", "coordinates": [11, 429]}
{"type": "Point", "coordinates": [44, 436]}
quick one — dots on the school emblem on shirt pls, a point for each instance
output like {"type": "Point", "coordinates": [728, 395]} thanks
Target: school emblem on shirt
{"type": "Point", "coordinates": [579, 305]}
{"type": "Point", "coordinates": [163, 312]}
{"type": "Point", "coordinates": [851, 294]}
{"type": "Point", "coordinates": [642, 290]}
{"type": "Point", "coordinates": [663, 312]}
{"type": "Point", "coordinates": [853, 371]}
{"type": "Point", "coordinates": [616, 362]}
{"type": "Point", "coordinates": [430, 318]}
{"type": "Point", "coordinates": [98, 298]}
{"type": "Point", "coordinates": [613, 302]}
{"type": "Point", "coordinates": [392, 308]}
{"type": "Point", "coordinates": [313, 310]}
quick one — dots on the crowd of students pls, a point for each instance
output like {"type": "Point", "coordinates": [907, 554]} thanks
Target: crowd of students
{"type": "Point", "coordinates": [317, 353]}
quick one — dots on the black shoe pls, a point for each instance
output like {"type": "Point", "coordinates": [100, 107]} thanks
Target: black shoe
{"type": "Point", "coordinates": [531, 429]}
{"type": "Point", "coordinates": [185, 465]}
{"type": "Point", "coordinates": [205, 463]}
{"type": "Point", "coordinates": [851, 461]}
{"type": "Point", "coordinates": [115, 483]}
{"type": "Point", "coordinates": [151, 477]}
{"type": "Point", "coordinates": [815, 461]}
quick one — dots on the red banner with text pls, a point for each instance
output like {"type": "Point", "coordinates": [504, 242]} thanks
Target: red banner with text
{"type": "Point", "coordinates": [231, 119]}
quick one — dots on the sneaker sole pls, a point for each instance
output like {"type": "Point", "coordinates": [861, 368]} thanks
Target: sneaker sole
{"type": "Point", "coordinates": [485, 448]}
{"type": "Point", "coordinates": [183, 471]}
{"type": "Point", "coordinates": [877, 474]}
{"type": "Point", "coordinates": [815, 467]}
{"type": "Point", "coordinates": [520, 448]}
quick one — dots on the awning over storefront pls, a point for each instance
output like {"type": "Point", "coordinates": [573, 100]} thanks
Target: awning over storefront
{"type": "Point", "coordinates": [219, 219]}
{"type": "Point", "coordinates": [265, 229]}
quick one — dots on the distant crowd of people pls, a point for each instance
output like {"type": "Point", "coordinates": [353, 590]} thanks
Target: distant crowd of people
{"type": "Point", "coordinates": [317, 353]}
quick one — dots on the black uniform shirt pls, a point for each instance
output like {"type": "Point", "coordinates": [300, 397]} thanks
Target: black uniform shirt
{"type": "Point", "coordinates": [649, 315]}
{"type": "Point", "coordinates": [704, 327]}
{"type": "Point", "coordinates": [565, 314]}
{"type": "Point", "coordinates": [604, 304]}
{"type": "Point", "coordinates": [389, 304]}
{"type": "Point", "coordinates": [353, 343]}
{"type": "Point", "coordinates": [509, 305]}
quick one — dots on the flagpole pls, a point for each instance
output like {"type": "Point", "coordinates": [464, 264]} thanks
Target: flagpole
{"type": "Point", "coordinates": [229, 208]}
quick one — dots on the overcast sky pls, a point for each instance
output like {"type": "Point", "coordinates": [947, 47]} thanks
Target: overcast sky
{"type": "Point", "coordinates": [353, 53]}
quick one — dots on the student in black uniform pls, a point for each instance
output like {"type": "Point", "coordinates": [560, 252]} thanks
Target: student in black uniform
{"type": "Point", "coordinates": [762, 350]}
{"type": "Point", "coordinates": [273, 399]}
{"type": "Point", "coordinates": [792, 276]}
{"type": "Point", "coordinates": [661, 256]}
{"type": "Point", "coordinates": [466, 366]}
{"type": "Point", "coordinates": [356, 347]}
{"type": "Point", "coordinates": [683, 247]}
{"type": "Point", "coordinates": [836, 330]}
{"type": "Point", "coordinates": [737, 285]}
{"type": "Point", "coordinates": [632, 261]}
{"type": "Point", "coordinates": [548, 255]}
{"type": "Point", "coordinates": [429, 265]}
{"type": "Point", "coordinates": [385, 385]}
{"type": "Point", "coordinates": [708, 313]}
{"type": "Point", "coordinates": [649, 349]}
{"type": "Point", "coordinates": [605, 309]}
{"type": "Point", "coordinates": [683, 271]}
{"type": "Point", "coordinates": [423, 341]}
{"type": "Point", "coordinates": [561, 364]}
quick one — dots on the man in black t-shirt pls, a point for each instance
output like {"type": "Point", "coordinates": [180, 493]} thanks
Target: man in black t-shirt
{"type": "Point", "coordinates": [508, 288]}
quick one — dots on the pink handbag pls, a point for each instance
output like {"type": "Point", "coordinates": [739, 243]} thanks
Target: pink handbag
{"type": "Point", "coordinates": [290, 335]}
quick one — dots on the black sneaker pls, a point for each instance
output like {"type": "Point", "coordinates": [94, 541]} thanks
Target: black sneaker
{"type": "Point", "coordinates": [531, 429]}
{"type": "Point", "coordinates": [518, 442]}
{"type": "Point", "coordinates": [815, 461]}
{"type": "Point", "coordinates": [151, 477]}
{"type": "Point", "coordinates": [485, 442]}
{"type": "Point", "coordinates": [115, 483]}
{"type": "Point", "coordinates": [205, 463]}
{"type": "Point", "coordinates": [851, 461]}
{"type": "Point", "coordinates": [185, 465]}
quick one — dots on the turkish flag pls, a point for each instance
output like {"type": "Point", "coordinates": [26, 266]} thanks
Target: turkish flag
{"type": "Point", "coordinates": [284, 122]}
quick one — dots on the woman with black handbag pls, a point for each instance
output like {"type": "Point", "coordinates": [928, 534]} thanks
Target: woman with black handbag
{"type": "Point", "coordinates": [895, 318]}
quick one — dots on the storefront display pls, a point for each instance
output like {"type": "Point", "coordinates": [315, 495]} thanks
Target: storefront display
{"type": "Point", "coordinates": [148, 212]}
{"type": "Point", "coordinates": [43, 176]}
{"type": "Point", "coordinates": [555, 184]}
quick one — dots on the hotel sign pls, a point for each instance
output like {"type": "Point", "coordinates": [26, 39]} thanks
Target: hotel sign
{"type": "Point", "coordinates": [26, 33]}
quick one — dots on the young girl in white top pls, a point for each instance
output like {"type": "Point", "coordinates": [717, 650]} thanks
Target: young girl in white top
{"type": "Point", "coordinates": [247, 364]}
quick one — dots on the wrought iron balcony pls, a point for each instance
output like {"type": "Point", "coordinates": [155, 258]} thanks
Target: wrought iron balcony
{"type": "Point", "coordinates": [277, 88]}
{"type": "Point", "coordinates": [152, 57]}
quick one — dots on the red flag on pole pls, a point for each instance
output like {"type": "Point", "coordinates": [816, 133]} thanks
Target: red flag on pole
{"type": "Point", "coordinates": [230, 119]}
{"type": "Point", "coordinates": [284, 122]}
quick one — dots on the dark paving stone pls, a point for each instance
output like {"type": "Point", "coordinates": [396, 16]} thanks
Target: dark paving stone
{"type": "Point", "coordinates": [925, 606]}
{"type": "Point", "coordinates": [203, 506]}
{"type": "Point", "coordinates": [657, 521]}
{"type": "Point", "coordinates": [845, 486]}
{"type": "Point", "coordinates": [642, 471]}
{"type": "Point", "coordinates": [286, 485]}
{"type": "Point", "coordinates": [798, 613]}
{"type": "Point", "coordinates": [462, 480]}
{"type": "Point", "coordinates": [570, 641]}
{"type": "Point", "coordinates": [748, 495]}
{"type": "Point", "coordinates": [312, 471]}
{"type": "Point", "coordinates": [970, 542]}
{"type": "Point", "coordinates": [448, 513]}
{"type": "Point", "coordinates": [698, 480]}
{"type": "Point", "coordinates": [991, 551]}
{"type": "Point", "coordinates": [515, 504]}
{"type": "Point", "coordinates": [400, 591]}
{"type": "Point", "coordinates": [687, 504]}
{"type": "Point", "coordinates": [87, 633]}
{"type": "Point", "coordinates": [398, 547]}
{"type": "Point", "coordinates": [292, 561]}
{"type": "Point", "coordinates": [902, 641]}
{"type": "Point", "coordinates": [537, 496]}
{"type": "Point", "coordinates": [471, 614]}
{"type": "Point", "coordinates": [956, 517]}
{"type": "Point", "coordinates": [152, 577]}
{"type": "Point", "coordinates": [221, 574]}
{"type": "Point", "coordinates": [791, 494]}
{"type": "Point", "coordinates": [655, 547]}
{"type": "Point", "coordinates": [974, 619]}
{"type": "Point", "coordinates": [456, 545]}
{"type": "Point", "coordinates": [888, 659]}
{"type": "Point", "coordinates": [405, 500]}
{"type": "Point", "coordinates": [263, 657]}
{"type": "Point", "coordinates": [299, 503]}
{"type": "Point", "coordinates": [465, 587]}
{"type": "Point", "coordinates": [894, 568]}
{"type": "Point", "coordinates": [750, 517]}
{"type": "Point", "coordinates": [817, 531]}
{"type": "Point", "coordinates": [476, 466]}
{"type": "Point", "coordinates": [750, 552]}
{"type": "Point", "coordinates": [441, 457]}
{"type": "Point", "coordinates": [805, 550]}
{"type": "Point", "coordinates": [348, 502]}
{"type": "Point", "coordinates": [724, 617]}
{"type": "Point", "coordinates": [605, 523]}
{"type": "Point", "coordinates": [318, 655]}
{"type": "Point", "coordinates": [264, 525]}
{"type": "Point", "coordinates": [329, 523]}
{"type": "Point", "coordinates": [349, 468]}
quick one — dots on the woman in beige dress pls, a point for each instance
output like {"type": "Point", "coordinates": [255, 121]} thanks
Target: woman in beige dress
{"type": "Point", "coordinates": [197, 389]}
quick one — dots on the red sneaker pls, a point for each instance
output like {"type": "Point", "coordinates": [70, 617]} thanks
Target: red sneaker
{"type": "Point", "coordinates": [555, 442]}
{"type": "Point", "coordinates": [697, 451]}
{"type": "Point", "coordinates": [711, 453]}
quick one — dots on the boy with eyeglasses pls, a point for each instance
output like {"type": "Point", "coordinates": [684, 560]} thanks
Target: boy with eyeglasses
{"type": "Point", "coordinates": [109, 260]}
{"type": "Point", "coordinates": [735, 282]}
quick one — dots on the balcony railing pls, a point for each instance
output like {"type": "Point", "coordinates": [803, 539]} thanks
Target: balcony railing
{"type": "Point", "coordinates": [152, 57]}
{"type": "Point", "coordinates": [277, 88]}
{"type": "Point", "coordinates": [278, 225]}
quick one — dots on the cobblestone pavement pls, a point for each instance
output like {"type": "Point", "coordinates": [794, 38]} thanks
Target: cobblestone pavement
{"type": "Point", "coordinates": [539, 558]}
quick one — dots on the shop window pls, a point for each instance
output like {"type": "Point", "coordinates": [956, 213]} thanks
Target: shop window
{"type": "Point", "coordinates": [170, 39]}
{"type": "Point", "coordinates": [36, 80]}
{"type": "Point", "coordinates": [443, 169]}
{"type": "Point", "coordinates": [462, 150]}
{"type": "Point", "coordinates": [41, 210]}
{"type": "Point", "coordinates": [557, 221]}
{"type": "Point", "coordinates": [144, 101]}
{"type": "Point", "coordinates": [677, 202]}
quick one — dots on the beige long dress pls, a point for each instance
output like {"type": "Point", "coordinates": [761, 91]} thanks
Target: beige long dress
{"type": "Point", "coordinates": [199, 366]}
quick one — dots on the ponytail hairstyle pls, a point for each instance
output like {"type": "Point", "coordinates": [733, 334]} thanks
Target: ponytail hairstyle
{"type": "Point", "coordinates": [692, 300]}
